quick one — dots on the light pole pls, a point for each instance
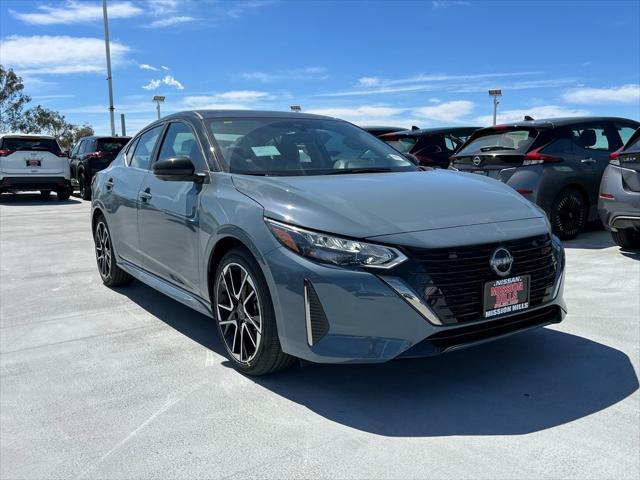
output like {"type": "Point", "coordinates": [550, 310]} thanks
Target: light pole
{"type": "Point", "coordinates": [106, 44]}
{"type": "Point", "coordinates": [295, 108]}
{"type": "Point", "coordinates": [495, 93]}
{"type": "Point", "coordinates": [158, 99]}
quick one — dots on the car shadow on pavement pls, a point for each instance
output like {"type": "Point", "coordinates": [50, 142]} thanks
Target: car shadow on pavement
{"type": "Point", "coordinates": [593, 240]}
{"type": "Point", "coordinates": [521, 384]}
{"type": "Point", "coordinates": [22, 199]}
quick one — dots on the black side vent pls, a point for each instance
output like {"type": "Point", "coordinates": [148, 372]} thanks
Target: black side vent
{"type": "Point", "coordinates": [317, 325]}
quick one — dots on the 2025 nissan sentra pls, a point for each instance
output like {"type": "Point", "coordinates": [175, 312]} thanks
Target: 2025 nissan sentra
{"type": "Point", "coordinates": [305, 237]}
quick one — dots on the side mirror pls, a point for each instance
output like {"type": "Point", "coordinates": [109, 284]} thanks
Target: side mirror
{"type": "Point", "coordinates": [430, 149]}
{"type": "Point", "coordinates": [412, 158]}
{"type": "Point", "coordinates": [179, 169]}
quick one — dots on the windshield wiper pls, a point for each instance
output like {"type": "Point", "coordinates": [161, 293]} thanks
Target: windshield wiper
{"type": "Point", "coordinates": [359, 170]}
{"type": "Point", "coordinates": [495, 147]}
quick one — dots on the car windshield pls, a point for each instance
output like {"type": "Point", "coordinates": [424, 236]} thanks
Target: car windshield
{"type": "Point", "coordinates": [513, 140]}
{"type": "Point", "coordinates": [15, 144]}
{"type": "Point", "coordinates": [287, 146]}
{"type": "Point", "coordinates": [112, 145]}
{"type": "Point", "coordinates": [402, 144]}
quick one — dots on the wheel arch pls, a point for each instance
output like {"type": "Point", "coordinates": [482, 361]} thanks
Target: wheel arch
{"type": "Point", "coordinates": [221, 247]}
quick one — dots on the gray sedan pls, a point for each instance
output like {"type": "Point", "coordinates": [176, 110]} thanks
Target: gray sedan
{"type": "Point", "coordinates": [305, 237]}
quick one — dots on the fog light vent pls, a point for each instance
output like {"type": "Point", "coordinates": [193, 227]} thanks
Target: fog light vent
{"type": "Point", "coordinates": [317, 325]}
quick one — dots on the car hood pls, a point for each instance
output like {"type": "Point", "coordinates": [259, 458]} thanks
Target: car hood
{"type": "Point", "coordinates": [367, 205]}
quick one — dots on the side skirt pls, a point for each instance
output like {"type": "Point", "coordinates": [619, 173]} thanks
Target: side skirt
{"type": "Point", "coordinates": [172, 291]}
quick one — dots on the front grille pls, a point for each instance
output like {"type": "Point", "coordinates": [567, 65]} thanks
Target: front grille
{"type": "Point", "coordinates": [453, 279]}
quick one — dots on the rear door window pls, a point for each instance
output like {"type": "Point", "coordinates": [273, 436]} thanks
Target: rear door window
{"type": "Point", "coordinates": [625, 132]}
{"type": "Point", "coordinates": [591, 137]}
{"type": "Point", "coordinates": [145, 147]}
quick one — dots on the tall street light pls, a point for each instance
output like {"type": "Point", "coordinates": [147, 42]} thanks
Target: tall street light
{"type": "Point", "coordinates": [496, 93]}
{"type": "Point", "coordinates": [106, 44]}
{"type": "Point", "coordinates": [158, 99]}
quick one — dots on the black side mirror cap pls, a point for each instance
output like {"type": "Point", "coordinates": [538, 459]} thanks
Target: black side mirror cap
{"type": "Point", "coordinates": [179, 169]}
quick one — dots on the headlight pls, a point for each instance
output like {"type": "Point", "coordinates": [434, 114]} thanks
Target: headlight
{"type": "Point", "coordinates": [329, 249]}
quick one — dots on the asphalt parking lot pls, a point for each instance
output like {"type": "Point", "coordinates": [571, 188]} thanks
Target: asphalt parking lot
{"type": "Point", "coordinates": [126, 383]}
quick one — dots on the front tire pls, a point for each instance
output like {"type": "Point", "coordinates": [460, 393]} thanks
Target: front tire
{"type": "Point", "coordinates": [627, 238]}
{"type": "Point", "coordinates": [85, 191]}
{"type": "Point", "coordinates": [568, 214]}
{"type": "Point", "coordinates": [244, 316]}
{"type": "Point", "coordinates": [110, 273]}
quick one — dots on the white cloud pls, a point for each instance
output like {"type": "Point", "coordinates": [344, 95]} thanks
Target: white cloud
{"type": "Point", "coordinates": [168, 80]}
{"type": "Point", "coordinates": [76, 12]}
{"type": "Point", "coordinates": [165, 68]}
{"type": "Point", "coordinates": [44, 54]}
{"type": "Point", "coordinates": [172, 82]}
{"type": "Point", "coordinates": [545, 111]}
{"type": "Point", "coordinates": [166, 22]}
{"type": "Point", "coordinates": [448, 3]}
{"type": "Point", "coordinates": [240, 8]}
{"type": "Point", "coordinates": [623, 94]}
{"type": "Point", "coordinates": [308, 73]}
{"type": "Point", "coordinates": [367, 115]}
{"type": "Point", "coordinates": [163, 7]}
{"type": "Point", "coordinates": [369, 81]}
{"type": "Point", "coordinates": [152, 85]}
{"type": "Point", "coordinates": [453, 111]}
{"type": "Point", "coordinates": [242, 95]}
{"type": "Point", "coordinates": [146, 66]}
{"type": "Point", "coordinates": [231, 100]}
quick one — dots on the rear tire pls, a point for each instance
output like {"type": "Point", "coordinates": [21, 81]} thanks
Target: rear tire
{"type": "Point", "coordinates": [568, 214]}
{"type": "Point", "coordinates": [85, 191]}
{"type": "Point", "coordinates": [44, 194]}
{"type": "Point", "coordinates": [244, 316]}
{"type": "Point", "coordinates": [63, 193]}
{"type": "Point", "coordinates": [627, 238]}
{"type": "Point", "coordinates": [110, 273]}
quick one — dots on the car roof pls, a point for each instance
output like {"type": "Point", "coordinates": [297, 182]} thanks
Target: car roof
{"type": "Point", "coordinates": [434, 130]}
{"type": "Point", "coordinates": [26, 135]}
{"type": "Point", "coordinates": [559, 122]}
{"type": "Point", "coordinates": [100, 137]}
{"type": "Point", "coordinates": [211, 114]}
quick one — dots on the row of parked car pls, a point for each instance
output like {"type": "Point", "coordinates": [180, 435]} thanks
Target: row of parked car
{"type": "Point", "coordinates": [573, 168]}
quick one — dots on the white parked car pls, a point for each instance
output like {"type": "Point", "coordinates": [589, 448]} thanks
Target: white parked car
{"type": "Point", "coordinates": [33, 163]}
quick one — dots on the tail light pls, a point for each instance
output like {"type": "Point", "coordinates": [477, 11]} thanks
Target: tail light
{"type": "Point", "coordinates": [535, 157]}
{"type": "Point", "coordinates": [4, 152]}
{"type": "Point", "coordinates": [607, 196]}
{"type": "Point", "coordinates": [613, 157]}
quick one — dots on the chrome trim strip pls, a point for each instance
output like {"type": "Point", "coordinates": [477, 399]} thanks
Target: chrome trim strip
{"type": "Point", "coordinates": [556, 288]}
{"type": "Point", "coordinates": [409, 296]}
{"type": "Point", "coordinates": [307, 315]}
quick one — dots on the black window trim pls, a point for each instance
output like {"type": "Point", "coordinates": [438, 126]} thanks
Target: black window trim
{"type": "Point", "coordinates": [154, 152]}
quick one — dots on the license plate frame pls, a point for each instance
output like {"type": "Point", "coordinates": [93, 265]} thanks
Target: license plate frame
{"type": "Point", "coordinates": [32, 163]}
{"type": "Point", "coordinates": [506, 296]}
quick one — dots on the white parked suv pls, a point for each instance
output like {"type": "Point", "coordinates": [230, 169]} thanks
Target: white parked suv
{"type": "Point", "coordinates": [33, 163]}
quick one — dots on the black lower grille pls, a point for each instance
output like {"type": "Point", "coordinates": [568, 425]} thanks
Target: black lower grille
{"type": "Point", "coordinates": [451, 280]}
{"type": "Point", "coordinates": [478, 332]}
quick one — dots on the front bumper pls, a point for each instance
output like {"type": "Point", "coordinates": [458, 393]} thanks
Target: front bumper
{"type": "Point", "coordinates": [368, 320]}
{"type": "Point", "coordinates": [30, 183]}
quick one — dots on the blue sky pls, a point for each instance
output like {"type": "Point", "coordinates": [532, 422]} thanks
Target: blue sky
{"type": "Point", "coordinates": [420, 63]}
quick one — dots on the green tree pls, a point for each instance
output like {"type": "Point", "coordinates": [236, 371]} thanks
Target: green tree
{"type": "Point", "coordinates": [12, 100]}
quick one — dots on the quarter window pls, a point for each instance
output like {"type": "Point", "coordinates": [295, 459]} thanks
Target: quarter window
{"type": "Point", "coordinates": [144, 149]}
{"type": "Point", "coordinates": [625, 133]}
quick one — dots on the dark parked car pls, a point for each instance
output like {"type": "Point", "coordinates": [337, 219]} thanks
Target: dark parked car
{"type": "Point", "coordinates": [90, 155]}
{"type": "Point", "coordinates": [555, 163]}
{"type": "Point", "coordinates": [381, 130]}
{"type": "Point", "coordinates": [432, 147]}
{"type": "Point", "coordinates": [619, 203]}
{"type": "Point", "coordinates": [298, 234]}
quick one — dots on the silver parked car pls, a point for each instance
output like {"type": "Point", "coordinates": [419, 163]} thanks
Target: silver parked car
{"type": "Point", "coordinates": [305, 237]}
{"type": "Point", "coordinates": [619, 203]}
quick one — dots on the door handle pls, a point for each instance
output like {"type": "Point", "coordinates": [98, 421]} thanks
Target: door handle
{"type": "Point", "coordinates": [146, 194]}
{"type": "Point", "coordinates": [109, 184]}
{"type": "Point", "coordinates": [588, 161]}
